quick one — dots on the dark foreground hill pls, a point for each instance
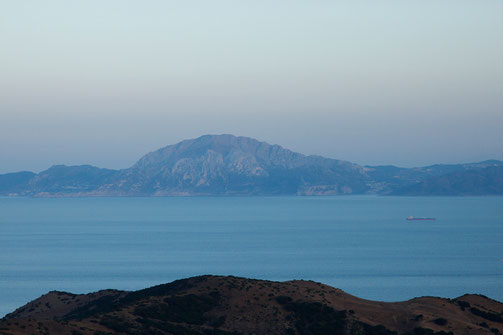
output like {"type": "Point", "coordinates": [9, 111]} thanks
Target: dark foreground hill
{"type": "Point", "coordinates": [230, 305]}
{"type": "Point", "coordinates": [230, 165]}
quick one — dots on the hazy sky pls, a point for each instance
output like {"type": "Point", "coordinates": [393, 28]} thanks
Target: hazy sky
{"type": "Point", "coordinates": [374, 82]}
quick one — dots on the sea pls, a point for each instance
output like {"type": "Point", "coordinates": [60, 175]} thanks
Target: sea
{"type": "Point", "coordinates": [361, 244]}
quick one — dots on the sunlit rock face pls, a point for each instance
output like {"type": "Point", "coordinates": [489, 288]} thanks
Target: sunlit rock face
{"type": "Point", "coordinates": [226, 164]}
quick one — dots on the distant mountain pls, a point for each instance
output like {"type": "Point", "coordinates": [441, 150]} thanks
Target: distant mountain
{"type": "Point", "coordinates": [408, 181]}
{"type": "Point", "coordinates": [215, 305]}
{"type": "Point", "coordinates": [486, 181]}
{"type": "Point", "coordinates": [15, 182]}
{"type": "Point", "coordinates": [230, 165]}
{"type": "Point", "coordinates": [227, 165]}
{"type": "Point", "coordinates": [61, 179]}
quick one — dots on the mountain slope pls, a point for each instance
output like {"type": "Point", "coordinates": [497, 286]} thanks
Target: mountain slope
{"type": "Point", "coordinates": [61, 179]}
{"type": "Point", "coordinates": [13, 183]}
{"type": "Point", "coordinates": [230, 165]}
{"type": "Point", "coordinates": [226, 164]}
{"type": "Point", "coordinates": [396, 180]}
{"type": "Point", "coordinates": [230, 305]}
{"type": "Point", "coordinates": [486, 181]}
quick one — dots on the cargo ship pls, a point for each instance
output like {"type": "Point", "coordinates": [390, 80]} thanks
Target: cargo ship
{"type": "Point", "coordinates": [411, 218]}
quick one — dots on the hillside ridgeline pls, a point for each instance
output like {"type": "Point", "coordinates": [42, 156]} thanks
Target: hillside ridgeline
{"type": "Point", "coordinates": [231, 305]}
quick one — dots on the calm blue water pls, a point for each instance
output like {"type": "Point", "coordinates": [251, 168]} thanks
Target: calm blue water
{"type": "Point", "coordinates": [362, 245]}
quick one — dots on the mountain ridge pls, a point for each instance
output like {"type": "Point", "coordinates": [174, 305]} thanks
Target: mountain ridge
{"type": "Point", "coordinates": [225, 305]}
{"type": "Point", "coordinates": [237, 165]}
